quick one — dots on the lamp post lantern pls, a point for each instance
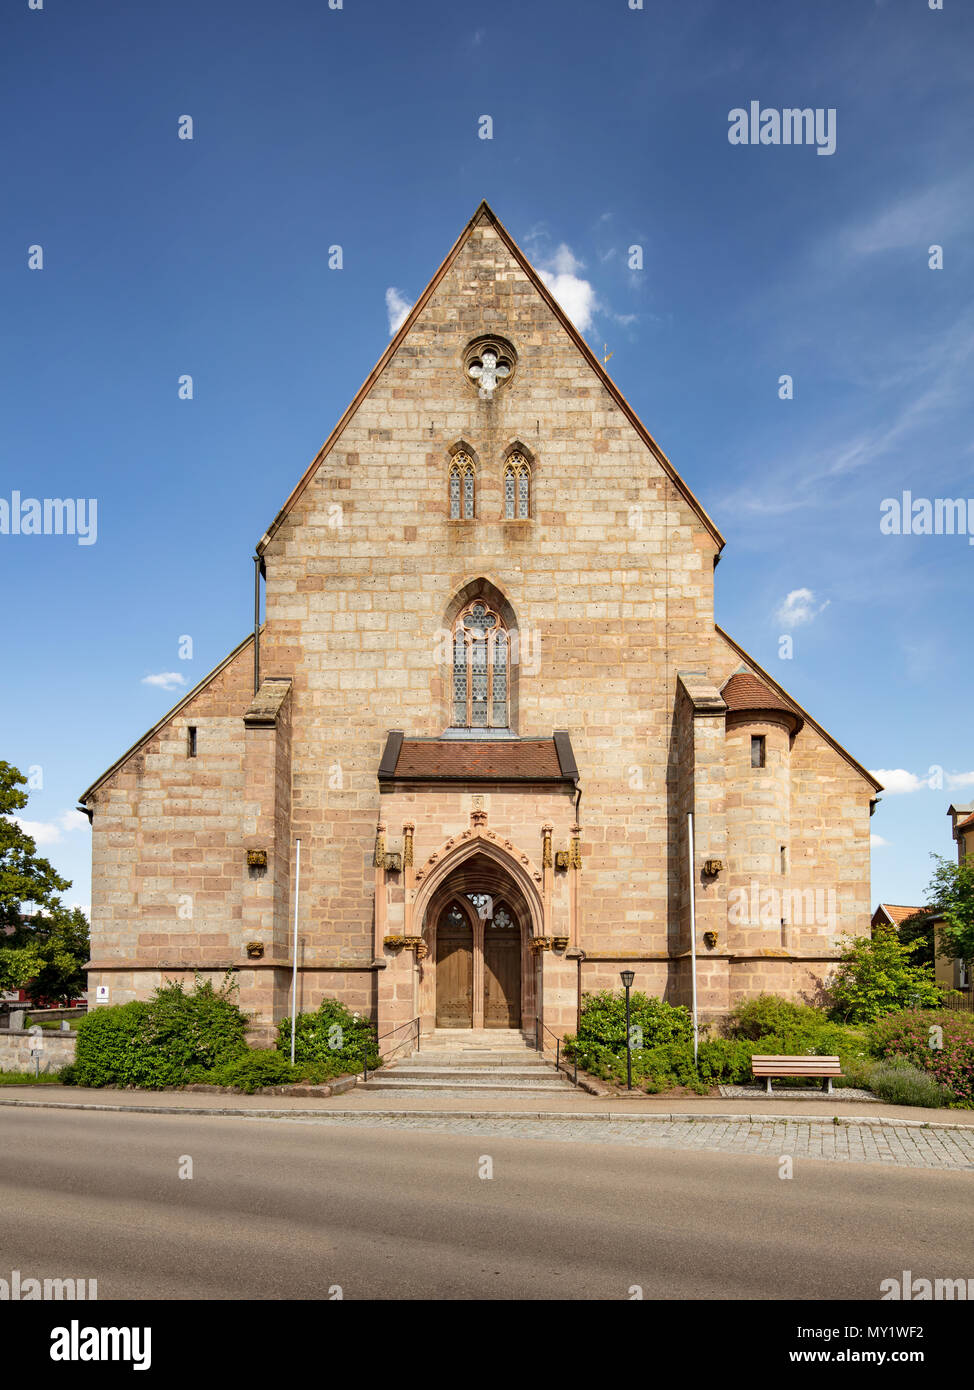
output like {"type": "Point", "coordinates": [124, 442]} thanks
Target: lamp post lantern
{"type": "Point", "coordinates": [627, 978]}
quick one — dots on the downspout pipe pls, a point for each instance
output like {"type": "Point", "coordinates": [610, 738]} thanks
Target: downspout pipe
{"type": "Point", "coordinates": [256, 623]}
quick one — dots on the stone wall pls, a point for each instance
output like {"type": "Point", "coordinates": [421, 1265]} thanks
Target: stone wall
{"type": "Point", "coordinates": [15, 1055]}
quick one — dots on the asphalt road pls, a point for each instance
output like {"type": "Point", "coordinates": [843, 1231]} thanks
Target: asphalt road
{"type": "Point", "coordinates": [291, 1209]}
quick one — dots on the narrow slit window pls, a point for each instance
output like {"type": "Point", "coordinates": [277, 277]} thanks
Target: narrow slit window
{"type": "Point", "coordinates": [191, 743]}
{"type": "Point", "coordinates": [758, 751]}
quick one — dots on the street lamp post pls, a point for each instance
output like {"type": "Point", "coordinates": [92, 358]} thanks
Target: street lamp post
{"type": "Point", "coordinates": [627, 978]}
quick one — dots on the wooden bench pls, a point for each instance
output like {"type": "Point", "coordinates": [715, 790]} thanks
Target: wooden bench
{"type": "Point", "coordinates": [824, 1068]}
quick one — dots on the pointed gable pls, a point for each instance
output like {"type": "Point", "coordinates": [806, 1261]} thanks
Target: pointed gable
{"type": "Point", "coordinates": [483, 224]}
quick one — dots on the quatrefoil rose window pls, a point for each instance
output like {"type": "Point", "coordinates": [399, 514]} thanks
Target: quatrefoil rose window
{"type": "Point", "coordinates": [489, 364]}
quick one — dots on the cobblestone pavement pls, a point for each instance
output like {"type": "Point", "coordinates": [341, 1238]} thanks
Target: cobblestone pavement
{"type": "Point", "coordinates": [908, 1146]}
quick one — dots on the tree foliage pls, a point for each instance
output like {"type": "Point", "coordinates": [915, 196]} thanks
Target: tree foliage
{"type": "Point", "coordinates": [47, 952]}
{"type": "Point", "coordinates": [24, 876]}
{"type": "Point", "coordinates": [877, 975]}
{"type": "Point", "coordinates": [951, 897]}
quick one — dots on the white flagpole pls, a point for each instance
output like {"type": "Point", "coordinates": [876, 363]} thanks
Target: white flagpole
{"type": "Point", "coordinates": [294, 963]}
{"type": "Point", "coordinates": [693, 937]}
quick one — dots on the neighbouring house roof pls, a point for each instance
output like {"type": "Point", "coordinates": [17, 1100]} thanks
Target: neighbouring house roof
{"type": "Point", "coordinates": [967, 824]}
{"type": "Point", "coordinates": [485, 214]}
{"type": "Point", "coordinates": [896, 913]}
{"type": "Point", "coordinates": [791, 704]}
{"type": "Point", "coordinates": [477, 760]}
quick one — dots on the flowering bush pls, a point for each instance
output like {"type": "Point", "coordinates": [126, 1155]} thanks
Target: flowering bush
{"type": "Point", "coordinates": [950, 1060]}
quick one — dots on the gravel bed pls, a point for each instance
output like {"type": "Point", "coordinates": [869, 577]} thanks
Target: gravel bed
{"type": "Point", "coordinates": [839, 1093]}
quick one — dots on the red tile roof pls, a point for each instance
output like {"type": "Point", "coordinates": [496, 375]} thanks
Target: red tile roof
{"type": "Point", "coordinates": [898, 912]}
{"type": "Point", "coordinates": [514, 760]}
{"type": "Point", "coordinates": [745, 692]}
{"type": "Point", "coordinates": [967, 824]}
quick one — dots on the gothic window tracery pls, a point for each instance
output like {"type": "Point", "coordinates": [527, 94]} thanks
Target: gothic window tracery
{"type": "Point", "coordinates": [481, 686]}
{"type": "Point", "coordinates": [517, 488]}
{"type": "Point", "coordinates": [462, 474]}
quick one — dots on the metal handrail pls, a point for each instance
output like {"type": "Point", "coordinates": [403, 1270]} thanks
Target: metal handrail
{"type": "Point", "coordinates": [413, 1023]}
{"type": "Point", "coordinates": [539, 1030]}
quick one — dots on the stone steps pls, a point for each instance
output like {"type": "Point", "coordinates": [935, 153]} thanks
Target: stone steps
{"type": "Point", "coordinates": [474, 1072]}
{"type": "Point", "coordinates": [458, 1061]}
{"type": "Point", "coordinates": [457, 1083]}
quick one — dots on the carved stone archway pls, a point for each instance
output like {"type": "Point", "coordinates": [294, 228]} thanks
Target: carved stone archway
{"type": "Point", "coordinates": [479, 865]}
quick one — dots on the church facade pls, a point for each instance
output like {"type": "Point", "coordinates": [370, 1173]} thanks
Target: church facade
{"type": "Point", "coordinates": [488, 696]}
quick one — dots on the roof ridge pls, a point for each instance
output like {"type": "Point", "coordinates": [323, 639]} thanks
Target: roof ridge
{"type": "Point", "coordinates": [485, 213]}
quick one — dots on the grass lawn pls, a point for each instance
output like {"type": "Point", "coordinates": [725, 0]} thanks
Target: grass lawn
{"type": "Point", "coordinates": [27, 1078]}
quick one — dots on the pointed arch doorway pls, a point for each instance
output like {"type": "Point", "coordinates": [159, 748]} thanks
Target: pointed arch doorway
{"type": "Point", "coordinates": [478, 928]}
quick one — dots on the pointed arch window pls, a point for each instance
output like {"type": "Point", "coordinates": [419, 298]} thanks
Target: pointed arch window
{"type": "Point", "coordinates": [481, 664]}
{"type": "Point", "coordinates": [517, 488]}
{"type": "Point", "coordinates": [461, 487]}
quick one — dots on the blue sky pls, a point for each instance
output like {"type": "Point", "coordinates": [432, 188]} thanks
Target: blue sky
{"type": "Point", "coordinates": [360, 127]}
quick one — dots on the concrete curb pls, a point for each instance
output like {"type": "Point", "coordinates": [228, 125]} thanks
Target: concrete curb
{"type": "Point", "coordinates": [881, 1121]}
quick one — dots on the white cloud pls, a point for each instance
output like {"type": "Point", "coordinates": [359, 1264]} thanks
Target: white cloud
{"type": "Point", "coordinates": [798, 608]}
{"type": "Point", "coordinates": [897, 781]}
{"type": "Point", "coordinates": [877, 842]}
{"type": "Point", "coordinates": [397, 308]}
{"type": "Point", "coordinates": [165, 680]}
{"type": "Point", "coordinates": [960, 779]}
{"type": "Point", "coordinates": [576, 295]}
{"type": "Point", "coordinates": [917, 219]}
{"type": "Point", "coordinates": [51, 832]}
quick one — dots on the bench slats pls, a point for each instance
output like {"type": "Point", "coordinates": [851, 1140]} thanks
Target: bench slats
{"type": "Point", "coordinates": [819, 1068]}
{"type": "Point", "coordinates": [813, 1063]}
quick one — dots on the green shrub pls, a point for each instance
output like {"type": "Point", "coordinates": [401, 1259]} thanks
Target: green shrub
{"type": "Point", "coordinates": [253, 1069]}
{"type": "Point", "coordinates": [333, 1037]}
{"type": "Point", "coordinates": [267, 1067]}
{"type": "Point", "coordinates": [726, 1060]}
{"type": "Point", "coordinates": [856, 1073]}
{"type": "Point", "coordinates": [878, 976]}
{"type": "Point", "coordinates": [172, 1038]}
{"type": "Point", "coordinates": [669, 1064]}
{"type": "Point", "coordinates": [767, 1024]}
{"type": "Point", "coordinates": [107, 1052]}
{"type": "Point", "coordinates": [198, 1029]}
{"type": "Point", "coordinates": [662, 1040]}
{"type": "Point", "coordinates": [769, 1014]}
{"type": "Point", "coordinates": [900, 1083]}
{"type": "Point", "coordinates": [603, 1018]}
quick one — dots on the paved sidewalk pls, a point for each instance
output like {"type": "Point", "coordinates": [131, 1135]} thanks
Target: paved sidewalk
{"type": "Point", "coordinates": [574, 1104]}
{"type": "Point", "coordinates": [905, 1145]}
{"type": "Point", "coordinates": [942, 1143]}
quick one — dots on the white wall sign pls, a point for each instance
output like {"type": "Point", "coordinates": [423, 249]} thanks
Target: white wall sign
{"type": "Point", "coordinates": [101, 994]}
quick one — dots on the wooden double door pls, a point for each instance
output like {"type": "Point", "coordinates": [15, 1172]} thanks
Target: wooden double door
{"type": "Point", "coordinates": [484, 956]}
